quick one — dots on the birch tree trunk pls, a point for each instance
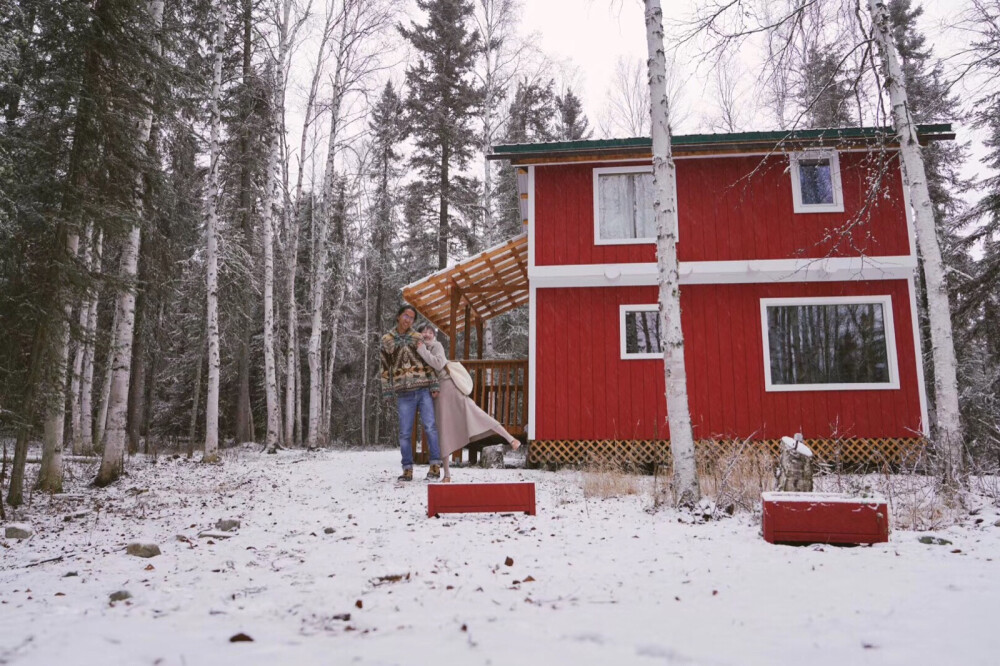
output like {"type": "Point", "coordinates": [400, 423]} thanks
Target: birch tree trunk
{"type": "Point", "coordinates": [949, 428]}
{"type": "Point", "coordinates": [196, 401]}
{"type": "Point", "coordinates": [320, 271]}
{"type": "Point", "coordinates": [51, 472]}
{"type": "Point", "coordinates": [109, 371]}
{"type": "Point", "coordinates": [211, 243]}
{"type": "Point", "coordinates": [76, 412]}
{"type": "Point", "coordinates": [270, 370]}
{"type": "Point", "coordinates": [293, 382]}
{"type": "Point", "coordinates": [341, 293]}
{"type": "Point", "coordinates": [114, 435]}
{"type": "Point", "coordinates": [86, 442]}
{"type": "Point", "coordinates": [685, 484]}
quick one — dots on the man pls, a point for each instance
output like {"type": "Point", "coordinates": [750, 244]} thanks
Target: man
{"type": "Point", "coordinates": [414, 384]}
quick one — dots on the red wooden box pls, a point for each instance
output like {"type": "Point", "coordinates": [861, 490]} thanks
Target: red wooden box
{"type": "Point", "coordinates": [480, 497]}
{"type": "Point", "coordinates": [824, 518]}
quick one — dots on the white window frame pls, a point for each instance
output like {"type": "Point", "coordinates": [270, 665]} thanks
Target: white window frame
{"type": "Point", "coordinates": [623, 312]}
{"type": "Point", "coordinates": [615, 170]}
{"type": "Point", "coordinates": [884, 300]}
{"type": "Point", "coordinates": [838, 191]}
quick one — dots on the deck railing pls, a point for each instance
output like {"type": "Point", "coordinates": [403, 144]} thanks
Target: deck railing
{"type": "Point", "coordinates": [500, 388]}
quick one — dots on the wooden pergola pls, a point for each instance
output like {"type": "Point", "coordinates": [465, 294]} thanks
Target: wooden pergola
{"type": "Point", "coordinates": [463, 296]}
{"type": "Point", "coordinates": [459, 299]}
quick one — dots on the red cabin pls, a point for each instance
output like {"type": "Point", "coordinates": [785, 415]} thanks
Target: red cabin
{"type": "Point", "coordinates": [797, 262]}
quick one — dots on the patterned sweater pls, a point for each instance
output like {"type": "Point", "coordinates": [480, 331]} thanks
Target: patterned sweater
{"type": "Point", "coordinates": [402, 369]}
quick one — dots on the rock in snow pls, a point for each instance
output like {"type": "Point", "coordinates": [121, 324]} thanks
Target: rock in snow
{"type": "Point", "coordinates": [227, 525]}
{"type": "Point", "coordinates": [120, 595]}
{"type": "Point", "coordinates": [143, 549]}
{"type": "Point", "coordinates": [18, 531]}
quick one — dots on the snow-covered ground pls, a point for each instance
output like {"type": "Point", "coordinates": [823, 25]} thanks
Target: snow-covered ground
{"type": "Point", "coordinates": [592, 581]}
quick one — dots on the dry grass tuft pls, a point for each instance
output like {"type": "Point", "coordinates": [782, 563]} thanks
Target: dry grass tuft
{"type": "Point", "coordinates": [736, 478]}
{"type": "Point", "coordinates": [606, 478]}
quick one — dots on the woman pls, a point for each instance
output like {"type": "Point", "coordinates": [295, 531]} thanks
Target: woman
{"type": "Point", "coordinates": [459, 418]}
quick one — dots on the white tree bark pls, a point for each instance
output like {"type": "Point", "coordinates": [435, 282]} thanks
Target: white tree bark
{"type": "Point", "coordinates": [115, 435]}
{"type": "Point", "coordinates": [949, 430]}
{"type": "Point", "coordinates": [109, 371]}
{"type": "Point", "coordinates": [292, 374]}
{"type": "Point", "coordinates": [75, 411]}
{"type": "Point", "coordinates": [339, 296]}
{"type": "Point", "coordinates": [665, 210]}
{"type": "Point", "coordinates": [90, 344]}
{"type": "Point", "coordinates": [51, 473]}
{"type": "Point", "coordinates": [270, 370]}
{"type": "Point", "coordinates": [211, 453]}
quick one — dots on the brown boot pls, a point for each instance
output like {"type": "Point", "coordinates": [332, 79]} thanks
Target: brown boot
{"type": "Point", "coordinates": [434, 473]}
{"type": "Point", "coordinates": [407, 475]}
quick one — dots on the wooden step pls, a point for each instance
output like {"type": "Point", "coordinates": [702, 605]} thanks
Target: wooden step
{"type": "Point", "coordinates": [480, 498]}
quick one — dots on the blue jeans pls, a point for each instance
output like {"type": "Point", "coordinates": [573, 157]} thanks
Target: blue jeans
{"type": "Point", "coordinates": [407, 403]}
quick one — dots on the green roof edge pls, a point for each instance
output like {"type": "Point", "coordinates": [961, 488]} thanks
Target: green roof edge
{"type": "Point", "coordinates": [709, 139]}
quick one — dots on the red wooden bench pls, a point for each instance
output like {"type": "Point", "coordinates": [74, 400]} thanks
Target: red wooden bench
{"type": "Point", "coordinates": [480, 497]}
{"type": "Point", "coordinates": [824, 518]}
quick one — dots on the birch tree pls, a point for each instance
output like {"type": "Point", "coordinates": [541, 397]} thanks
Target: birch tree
{"type": "Point", "coordinates": [85, 445]}
{"type": "Point", "coordinates": [292, 375]}
{"type": "Point", "coordinates": [686, 491]}
{"type": "Point", "coordinates": [114, 434]}
{"type": "Point", "coordinates": [728, 26]}
{"type": "Point", "coordinates": [949, 430]}
{"type": "Point", "coordinates": [211, 453]}
{"type": "Point", "coordinates": [355, 57]}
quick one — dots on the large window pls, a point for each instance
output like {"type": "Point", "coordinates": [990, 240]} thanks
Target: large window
{"type": "Point", "coordinates": [623, 205]}
{"type": "Point", "coordinates": [640, 332]}
{"type": "Point", "coordinates": [816, 182]}
{"type": "Point", "coordinates": [840, 343]}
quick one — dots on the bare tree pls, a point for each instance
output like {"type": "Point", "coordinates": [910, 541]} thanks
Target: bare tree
{"type": "Point", "coordinates": [356, 55]}
{"type": "Point", "coordinates": [627, 109]}
{"type": "Point", "coordinates": [686, 490]}
{"type": "Point", "coordinates": [733, 114]}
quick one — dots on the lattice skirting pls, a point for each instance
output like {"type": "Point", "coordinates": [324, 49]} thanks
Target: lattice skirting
{"type": "Point", "coordinates": [849, 451]}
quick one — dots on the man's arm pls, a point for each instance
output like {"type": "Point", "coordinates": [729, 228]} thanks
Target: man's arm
{"type": "Point", "coordinates": [385, 366]}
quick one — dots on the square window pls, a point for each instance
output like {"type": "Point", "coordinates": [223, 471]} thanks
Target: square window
{"type": "Point", "coordinates": [840, 343]}
{"type": "Point", "coordinates": [640, 332]}
{"type": "Point", "coordinates": [623, 206]}
{"type": "Point", "coordinates": [816, 182]}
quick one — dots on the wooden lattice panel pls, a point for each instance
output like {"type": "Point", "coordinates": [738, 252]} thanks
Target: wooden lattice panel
{"type": "Point", "coordinates": [852, 451]}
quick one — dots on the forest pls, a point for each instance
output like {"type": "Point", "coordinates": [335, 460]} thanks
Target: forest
{"type": "Point", "coordinates": [208, 208]}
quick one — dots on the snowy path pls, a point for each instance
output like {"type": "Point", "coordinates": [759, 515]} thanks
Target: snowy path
{"type": "Point", "coordinates": [612, 584]}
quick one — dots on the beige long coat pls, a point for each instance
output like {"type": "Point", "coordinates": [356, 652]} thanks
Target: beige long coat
{"type": "Point", "coordinates": [459, 419]}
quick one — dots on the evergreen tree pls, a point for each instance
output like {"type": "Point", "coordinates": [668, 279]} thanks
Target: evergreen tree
{"type": "Point", "coordinates": [441, 103]}
{"type": "Point", "coordinates": [973, 284]}
{"type": "Point", "coordinates": [826, 92]}
{"type": "Point", "coordinates": [572, 124]}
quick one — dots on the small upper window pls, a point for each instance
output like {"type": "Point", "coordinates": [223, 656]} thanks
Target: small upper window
{"type": "Point", "coordinates": [816, 182]}
{"type": "Point", "coordinates": [623, 205]}
{"type": "Point", "coordinates": [640, 332]}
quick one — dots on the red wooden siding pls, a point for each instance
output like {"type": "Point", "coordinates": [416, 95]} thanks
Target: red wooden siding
{"type": "Point", "coordinates": [731, 208]}
{"type": "Point", "coordinates": [584, 390]}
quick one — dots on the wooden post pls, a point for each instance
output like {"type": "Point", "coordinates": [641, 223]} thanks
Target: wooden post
{"type": "Point", "coordinates": [456, 296]}
{"type": "Point", "coordinates": [479, 337]}
{"type": "Point", "coordinates": [466, 341]}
